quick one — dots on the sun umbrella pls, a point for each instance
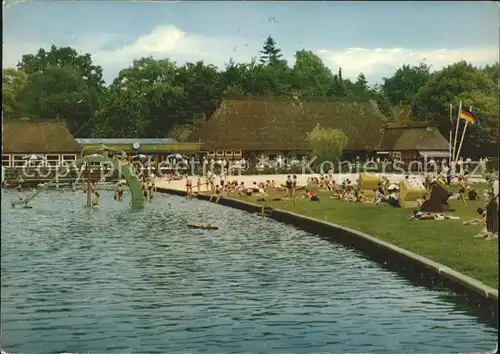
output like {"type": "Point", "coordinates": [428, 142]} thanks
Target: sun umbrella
{"type": "Point", "coordinates": [32, 157]}
{"type": "Point", "coordinates": [139, 157]}
{"type": "Point", "coordinates": [177, 157]}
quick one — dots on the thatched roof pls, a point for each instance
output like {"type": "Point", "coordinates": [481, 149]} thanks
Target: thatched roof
{"type": "Point", "coordinates": [283, 123]}
{"type": "Point", "coordinates": [401, 114]}
{"type": "Point", "coordinates": [413, 137]}
{"type": "Point", "coordinates": [35, 136]}
{"type": "Point", "coordinates": [180, 132]}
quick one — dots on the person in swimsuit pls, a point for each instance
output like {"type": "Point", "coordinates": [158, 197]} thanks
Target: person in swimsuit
{"type": "Point", "coordinates": [95, 200]}
{"type": "Point", "coordinates": [288, 185]}
{"type": "Point", "coordinates": [150, 191]}
{"type": "Point", "coordinates": [119, 192]}
{"type": "Point", "coordinates": [217, 195]}
{"type": "Point", "coordinates": [189, 188]}
{"type": "Point", "coordinates": [294, 189]}
{"type": "Point", "coordinates": [461, 191]}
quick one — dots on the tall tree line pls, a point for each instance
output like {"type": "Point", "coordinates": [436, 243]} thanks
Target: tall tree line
{"type": "Point", "coordinates": [152, 95]}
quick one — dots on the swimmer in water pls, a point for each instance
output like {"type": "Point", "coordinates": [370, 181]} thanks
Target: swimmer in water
{"type": "Point", "coordinates": [95, 200]}
{"type": "Point", "coordinates": [150, 191]}
{"type": "Point", "coordinates": [119, 192]}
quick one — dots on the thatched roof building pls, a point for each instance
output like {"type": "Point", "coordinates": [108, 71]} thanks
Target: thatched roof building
{"type": "Point", "coordinates": [413, 137]}
{"type": "Point", "coordinates": [281, 124]}
{"type": "Point", "coordinates": [37, 136]}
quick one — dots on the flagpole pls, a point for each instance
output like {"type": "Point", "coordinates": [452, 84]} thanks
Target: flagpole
{"type": "Point", "coordinates": [456, 132]}
{"type": "Point", "coordinates": [463, 135]}
{"type": "Point", "coordinates": [451, 131]}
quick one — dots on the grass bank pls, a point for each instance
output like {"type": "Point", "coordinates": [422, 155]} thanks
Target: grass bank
{"type": "Point", "coordinates": [448, 242]}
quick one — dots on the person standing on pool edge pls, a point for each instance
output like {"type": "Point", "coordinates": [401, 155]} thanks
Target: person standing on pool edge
{"type": "Point", "coordinates": [294, 189]}
{"type": "Point", "coordinates": [288, 185]}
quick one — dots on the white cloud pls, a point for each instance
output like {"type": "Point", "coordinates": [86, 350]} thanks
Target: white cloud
{"type": "Point", "coordinates": [162, 42]}
{"type": "Point", "coordinates": [172, 42]}
{"type": "Point", "coordinates": [375, 63]}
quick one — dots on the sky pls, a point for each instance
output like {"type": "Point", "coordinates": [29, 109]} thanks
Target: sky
{"type": "Point", "coordinates": [370, 37]}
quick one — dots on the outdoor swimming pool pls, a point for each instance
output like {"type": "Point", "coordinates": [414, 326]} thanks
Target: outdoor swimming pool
{"type": "Point", "coordinates": [119, 280]}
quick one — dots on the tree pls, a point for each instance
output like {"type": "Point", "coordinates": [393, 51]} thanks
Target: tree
{"type": "Point", "coordinates": [60, 92]}
{"type": "Point", "coordinates": [405, 83]}
{"type": "Point", "coordinates": [493, 71]}
{"type": "Point", "coordinates": [327, 144]}
{"type": "Point", "coordinates": [145, 100]}
{"type": "Point", "coordinates": [459, 82]}
{"type": "Point", "coordinates": [13, 83]}
{"type": "Point", "coordinates": [310, 74]}
{"type": "Point", "coordinates": [203, 86]}
{"type": "Point", "coordinates": [63, 56]}
{"type": "Point", "coordinates": [85, 85]}
{"type": "Point", "coordinates": [270, 54]}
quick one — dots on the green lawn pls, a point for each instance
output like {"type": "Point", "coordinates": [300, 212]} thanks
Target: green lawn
{"type": "Point", "coordinates": [448, 242]}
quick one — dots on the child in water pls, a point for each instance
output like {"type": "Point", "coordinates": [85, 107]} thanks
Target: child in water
{"type": "Point", "coordinates": [119, 192]}
{"type": "Point", "coordinates": [95, 200]}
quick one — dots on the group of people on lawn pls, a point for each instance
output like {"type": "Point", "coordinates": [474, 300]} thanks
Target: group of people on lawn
{"type": "Point", "coordinates": [349, 191]}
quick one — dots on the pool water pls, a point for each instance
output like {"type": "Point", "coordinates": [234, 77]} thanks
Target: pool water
{"type": "Point", "coordinates": [118, 280]}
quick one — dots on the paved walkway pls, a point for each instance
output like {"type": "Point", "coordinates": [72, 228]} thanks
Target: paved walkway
{"type": "Point", "coordinates": [279, 179]}
{"type": "Point", "coordinates": [249, 179]}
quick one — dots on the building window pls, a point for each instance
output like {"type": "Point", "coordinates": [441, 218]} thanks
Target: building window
{"type": "Point", "coordinates": [211, 153]}
{"type": "Point", "coordinates": [396, 155]}
{"type": "Point", "coordinates": [300, 157]}
{"type": "Point", "coordinates": [6, 160]}
{"type": "Point", "coordinates": [52, 160]}
{"type": "Point", "coordinates": [35, 163]}
{"type": "Point", "coordinates": [18, 161]}
{"type": "Point", "coordinates": [69, 158]}
{"type": "Point", "coordinates": [229, 153]}
{"type": "Point", "coordinates": [272, 157]}
{"type": "Point", "coordinates": [237, 152]}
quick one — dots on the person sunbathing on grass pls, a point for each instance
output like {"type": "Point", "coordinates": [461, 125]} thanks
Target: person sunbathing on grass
{"type": "Point", "coordinates": [478, 221]}
{"type": "Point", "coordinates": [487, 235]}
{"type": "Point", "coordinates": [378, 196]}
{"type": "Point", "coordinates": [418, 215]}
{"type": "Point", "coordinates": [312, 196]}
{"type": "Point", "coordinates": [359, 197]}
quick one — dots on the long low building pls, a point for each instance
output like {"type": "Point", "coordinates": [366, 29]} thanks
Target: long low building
{"type": "Point", "coordinates": [260, 127]}
{"type": "Point", "coordinates": [52, 144]}
{"type": "Point", "coordinates": [248, 128]}
{"type": "Point", "coordinates": [157, 149]}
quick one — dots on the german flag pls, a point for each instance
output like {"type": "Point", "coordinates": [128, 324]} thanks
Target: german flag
{"type": "Point", "coordinates": [469, 117]}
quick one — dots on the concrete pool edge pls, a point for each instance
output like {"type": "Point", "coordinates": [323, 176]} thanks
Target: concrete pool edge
{"type": "Point", "coordinates": [484, 295]}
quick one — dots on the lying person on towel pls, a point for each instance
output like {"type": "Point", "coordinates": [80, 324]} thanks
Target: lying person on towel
{"type": "Point", "coordinates": [312, 196]}
{"type": "Point", "coordinates": [418, 215]}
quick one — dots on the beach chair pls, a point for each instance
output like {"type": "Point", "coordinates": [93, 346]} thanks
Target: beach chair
{"type": "Point", "coordinates": [410, 192]}
{"type": "Point", "coordinates": [367, 183]}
